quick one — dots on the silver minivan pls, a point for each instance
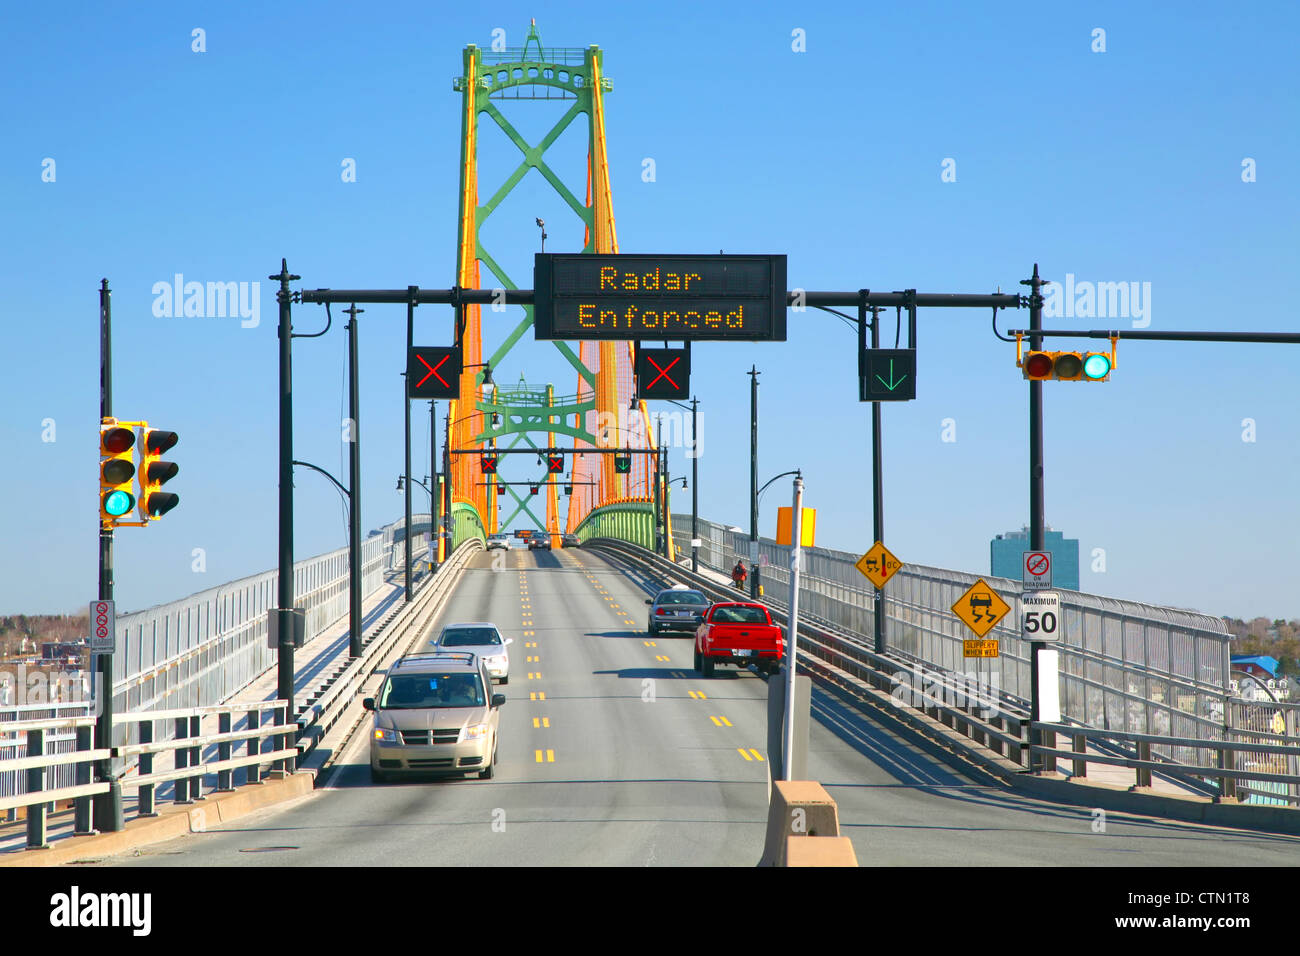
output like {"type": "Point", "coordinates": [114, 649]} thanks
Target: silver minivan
{"type": "Point", "coordinates": [435, 713]}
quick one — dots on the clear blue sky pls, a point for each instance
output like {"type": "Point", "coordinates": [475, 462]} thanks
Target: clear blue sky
{"type": "Point", "coordinates": [1117, 166]}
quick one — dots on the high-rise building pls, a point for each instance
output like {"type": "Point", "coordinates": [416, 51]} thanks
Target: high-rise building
{"type": "Point", "coordinates": [1006, 553]}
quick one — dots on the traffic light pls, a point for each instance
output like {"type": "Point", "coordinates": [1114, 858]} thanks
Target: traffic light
{"type": "Point", "coordinates": [1067, 366]}
{"type": "Point", "coordinates": [488, 464]}
{"type": "Point", "coordinates": [532, 489]}
{"type": "Point", "coordinates": [623, 464]}
{"type": "Point", "coordinates": [501, 490]}
{"type": "Point", "coordinates": [568, 489]}
{"type": "Point", "coordinates": [116, 469]}
{"type": "Point", "coordinates": [154, 473]}
{"type": "Point", "coordinates": [554, 464]}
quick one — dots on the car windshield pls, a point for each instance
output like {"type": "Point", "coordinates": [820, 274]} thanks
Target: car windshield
{"type": "Point", "coordinates": [739, 615]}
{"type": "Point", "coordinates": [682, 597]}
{"type": "Point", "coordinates": [413, 691]}
{"type": "Point", "coordinates": [469, 637]}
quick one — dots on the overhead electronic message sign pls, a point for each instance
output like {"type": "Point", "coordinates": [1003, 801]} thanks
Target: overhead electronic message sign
{"type": "Point", "coordinates": [672, 297]}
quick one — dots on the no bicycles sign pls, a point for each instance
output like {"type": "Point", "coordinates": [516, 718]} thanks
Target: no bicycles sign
{"type": "Point", "coordinates": [103, 628]}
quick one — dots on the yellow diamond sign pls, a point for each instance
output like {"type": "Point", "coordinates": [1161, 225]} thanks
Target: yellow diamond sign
{"type": "Point", "coordinates": [980, 608]}
{"type": "Point", "coordinates": [878, 565]}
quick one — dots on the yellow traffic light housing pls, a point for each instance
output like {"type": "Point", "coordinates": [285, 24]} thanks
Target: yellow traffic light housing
{"type": "Point", "coordinates": [116, 471]}
{"type": "Point", "coordinates": [1065, 366]}
{"type": "Point", "coordinates": [154, 472]}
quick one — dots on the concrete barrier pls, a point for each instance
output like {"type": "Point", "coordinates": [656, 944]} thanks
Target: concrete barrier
{"type": "Point", "coordinates": [798, 808]}
{"type": "Point", "coordinates": [819, 851]}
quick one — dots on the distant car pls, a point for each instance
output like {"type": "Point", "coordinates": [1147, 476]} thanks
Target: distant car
{"type": "Point", "coordinates": [498, 541]}
{"type": "Point", "coordinates": [539, 542]}
{"type": "Point", "coordinates": [676, 609]}
{"type": "Point", "coordinates": [435, 713]}
{"type": "Point", "coordinates": [571, 541]}
{"type": "Point", "coordinates": [481, 638]}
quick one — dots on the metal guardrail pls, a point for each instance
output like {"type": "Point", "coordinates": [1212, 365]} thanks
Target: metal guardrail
{"type": "Point", "coordinates": [236, 724]}
{"type": "Point", "coordinates": [999, 722]}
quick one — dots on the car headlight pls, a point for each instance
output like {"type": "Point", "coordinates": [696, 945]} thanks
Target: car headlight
{"type": "Point", "coordinates": [499, 659]}
{"type": "Point", "coordinates": [383, 735]}
{"type": "Point", "coordinates": [473, 732]}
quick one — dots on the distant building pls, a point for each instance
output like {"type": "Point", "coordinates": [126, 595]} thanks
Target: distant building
{"type": "Point", "coordinates": [1257, 665]}
{"type": "Point", "coordinates": [1006, 554]}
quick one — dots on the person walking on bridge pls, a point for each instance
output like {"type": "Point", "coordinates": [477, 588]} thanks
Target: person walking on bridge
{"type": "Point", "coordinates": [738, 575]}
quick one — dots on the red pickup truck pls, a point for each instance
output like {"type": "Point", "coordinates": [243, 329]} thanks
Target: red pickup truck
{"type": "Point", "coordinates": [738, 633]}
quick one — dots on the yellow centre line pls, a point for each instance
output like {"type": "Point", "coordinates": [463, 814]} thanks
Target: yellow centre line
{"type": "Point", "coordinates": [541, 722]}
{"type": "Point", "coordinates": [550, 756]}
{"type": "Point", "coordinates": [720, 721]}
{"type": "Point", "coordinates": [697, 695]}
{"type": "Point", "coordinates": [537, 695]}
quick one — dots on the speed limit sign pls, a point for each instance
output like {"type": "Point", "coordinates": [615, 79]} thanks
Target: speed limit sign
{"type": "Point", "coordinates": [1040, 616]}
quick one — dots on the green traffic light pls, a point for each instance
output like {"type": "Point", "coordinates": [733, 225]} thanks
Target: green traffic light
{"type": "Point", "coordinates": [118, 503]}
{"type": "Point", "coordinates": [1096, 366]}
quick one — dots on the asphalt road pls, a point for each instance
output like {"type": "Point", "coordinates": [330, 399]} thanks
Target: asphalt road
{"type": "Point", "coordinates": [615, 752]}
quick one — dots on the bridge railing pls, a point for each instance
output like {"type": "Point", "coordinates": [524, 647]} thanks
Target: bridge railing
{"type": "Point", "coordinates": [631, 520]}
{"type": "Point", "coordinates": [259, 729]}
{"type": "Point", "coordinates": [1124, 665]}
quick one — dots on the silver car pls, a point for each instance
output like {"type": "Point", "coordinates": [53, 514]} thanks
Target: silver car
{"type": "Point", "coordinates": [480, 638]}
{"type": "Point", "coordinates": [676, 609]}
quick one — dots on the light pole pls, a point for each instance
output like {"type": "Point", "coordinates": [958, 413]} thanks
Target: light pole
{"type": "Point", "coordinates": [753, 374]}
{"type": "Point", "coordinates": [695, 481]}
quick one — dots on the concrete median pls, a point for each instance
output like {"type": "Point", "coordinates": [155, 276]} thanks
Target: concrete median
{"type": "Point", "coordinates": [800, 809]}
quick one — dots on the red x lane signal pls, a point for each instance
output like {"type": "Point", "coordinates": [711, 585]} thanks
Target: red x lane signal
{"type": "Point", "coordinates": [488, 464]}
{"type": "Point", "coordinates": [663, 373]}
{"type": "Point", "coordinates": [433, 371]}
{"type": "Point", "coordinates": [555, 464]}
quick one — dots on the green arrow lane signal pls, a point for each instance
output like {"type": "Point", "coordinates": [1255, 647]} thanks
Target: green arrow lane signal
{"type": "Point", "coordinates": [886, 375]}
{"type": "Point", "coordinates": [891, 384]}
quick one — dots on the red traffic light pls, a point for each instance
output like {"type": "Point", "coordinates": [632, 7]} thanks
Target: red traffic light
{"type": "Point", "coordinates": [1038, 366]}
{"type": "Point", "coordinates": [117, 440]}
{"type": "Point", "coordinates": [532, 489]}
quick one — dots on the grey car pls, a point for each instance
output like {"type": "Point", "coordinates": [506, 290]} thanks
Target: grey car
{"type": "Point", "coordinates": [676, 609]}
{"type": "Point", "coordinates": [481, 638]}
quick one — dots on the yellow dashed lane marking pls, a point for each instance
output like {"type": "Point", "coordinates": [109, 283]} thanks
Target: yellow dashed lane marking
{"type": "Point", "coordinates": [532, 660]}
{"type": "Point", "coordinates": [720, 721]}
{"type": "Point", "coordinates": [697, 695]}
{"type": "Point", "coordinates": [550, 756]}
{"type": "Point", "coordinates": [532, 676]}
{"type": "Point", "coordinates": [649, 643]}
{"type": "Point", "coordinates": [541, 722]}
{"type": "Point", "coordinates": [530, 634]}
{"type": "Point", "coordinates": [537, 695]}
{"type": "Point", "coordinates": [530, 644]}
{"type": "Point", "coordinates": [746, 754]}
{"type": "Point", "coordinates": [660, 657]}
